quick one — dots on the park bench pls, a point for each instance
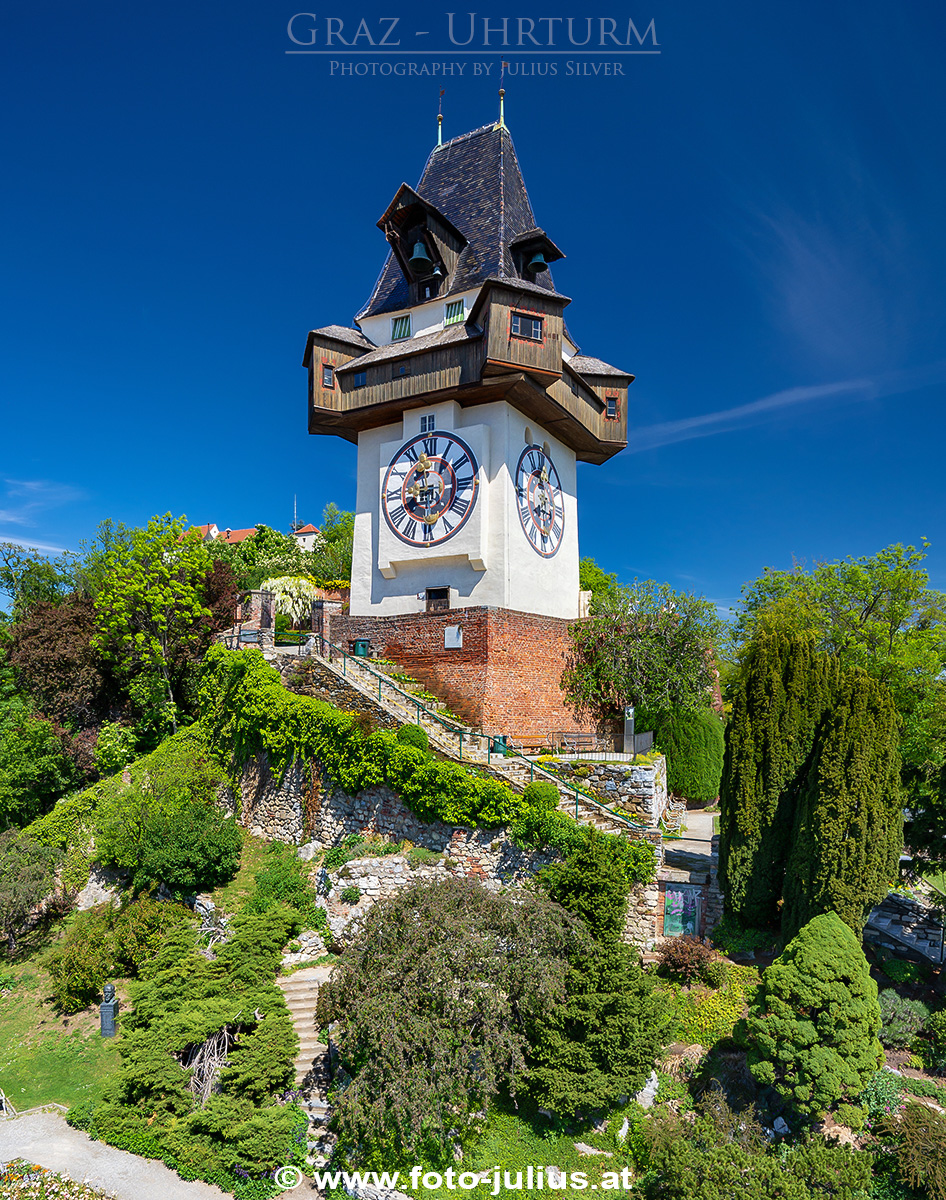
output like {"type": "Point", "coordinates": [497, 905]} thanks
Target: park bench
{"type": "Point", "coordinates": [574, 741]}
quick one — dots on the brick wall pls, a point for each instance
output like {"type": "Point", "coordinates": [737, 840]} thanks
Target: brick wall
{"type": "Point", "coordinates": [504, 679]}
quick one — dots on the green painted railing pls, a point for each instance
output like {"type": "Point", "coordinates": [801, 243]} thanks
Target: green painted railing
{"type": "Point", "coordinates": [583, 793]}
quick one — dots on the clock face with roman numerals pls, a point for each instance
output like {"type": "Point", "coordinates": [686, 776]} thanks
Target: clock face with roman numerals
{"type": "Point", "coordinates": [430, 489]}
{"type": "Point", "coordinates": [539, 500]}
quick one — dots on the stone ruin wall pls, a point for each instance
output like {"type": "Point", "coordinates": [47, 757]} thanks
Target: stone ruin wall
{"type": "Point", "coordinates": [305, 810]}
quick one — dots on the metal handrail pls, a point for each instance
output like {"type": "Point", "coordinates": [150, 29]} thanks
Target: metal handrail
{"type": "Point", "coordinates": [585, 795]}
{"type": "Point", "coordinates": [456, 730]}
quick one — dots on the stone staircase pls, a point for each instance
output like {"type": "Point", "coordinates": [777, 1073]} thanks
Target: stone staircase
{"type": "Point", "coordinates": [453, 739]}
{"type": "Point", "coordinates": [301, 991]}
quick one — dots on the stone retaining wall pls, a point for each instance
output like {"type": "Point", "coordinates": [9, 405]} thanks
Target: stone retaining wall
{"type": "Point", "coordinates": [638, 789]}
{"type": "Point", "coordinates": [308, 811]}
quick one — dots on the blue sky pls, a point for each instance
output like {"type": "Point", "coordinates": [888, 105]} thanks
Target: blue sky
{"type": "Point", "coordinates": [752, 218]}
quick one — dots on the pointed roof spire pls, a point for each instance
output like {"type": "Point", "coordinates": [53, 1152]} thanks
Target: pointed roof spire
{"type": "Point", "coordinates": [502, 95]}
{"type": "Point", "coordinates": [474, 183]}
{"type": "Point", "coordinates": [440, 118]}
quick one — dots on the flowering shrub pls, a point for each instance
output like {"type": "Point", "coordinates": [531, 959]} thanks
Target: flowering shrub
{"type": "Point", "coordinates": [882, 1096]}
{"type": "Point", "coordinates": [20, 1178]}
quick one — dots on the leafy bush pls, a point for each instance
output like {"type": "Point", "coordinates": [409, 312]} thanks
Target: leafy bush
{"type": "Point", "coordinates": [413, 735]}
{"type": "Point", "coordinates": [420, 856]}
{"type": "Point", "coordinates": [195, 850]}
{"type": "Point", "coordinates": [350, 895]}
{"type": "Point", "coordinates": [882, 1095]}
{"type": "Point", "coordinates": [284, 880]}
{"type": "Point", "coordinates": [540, 796]}
{"type": "Point", "coordinates": [709, 1016]}
{"type": "Point", "coordinates": [107, 942]}
{"type": "Point", "coordinates": [684, 958]}
{"type": "Point", "coordinates": [693, 744]}
{"type": "Point", "coordinates": [900, 970]}
{"type": "Point", "coordinates": [716, 973]}
{"type": "Point", "coordinates": [724, 1154]}
{"type": "Point", "coordinates": [115, 748]}
{"type": "Point", "coordinates": [851, 1116]}
{"type": "Point", "coordinates": [936, 1033]}
{"type": "Point", "coordinates": [900, 1020]}
{"type": "Point", "coordinates": [811, 1028]}
{"type": "Point", "coordinates": [27, 875]}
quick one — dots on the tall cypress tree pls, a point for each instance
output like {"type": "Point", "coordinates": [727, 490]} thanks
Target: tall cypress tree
{"type": "Point", "coordinates": [848, 821]}
{"type": "Point", "coordinates": [786, 688]}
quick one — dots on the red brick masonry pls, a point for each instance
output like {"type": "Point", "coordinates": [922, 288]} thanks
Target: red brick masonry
{"type": "Point", "coordinates": [504, 679]}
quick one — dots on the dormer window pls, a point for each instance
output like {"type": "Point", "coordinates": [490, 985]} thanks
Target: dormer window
{"type": "Point", "coordinates": [400, 328]}
{"type": "Point", "coordinates": [454, 312]}
{"type": "Point", "coordinates": [328, 375]}
{"type": "Point", "coordinates": [524, 325]}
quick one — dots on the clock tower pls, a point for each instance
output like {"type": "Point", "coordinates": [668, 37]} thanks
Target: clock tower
{"type": "Point", "coordinates": [469, 401]}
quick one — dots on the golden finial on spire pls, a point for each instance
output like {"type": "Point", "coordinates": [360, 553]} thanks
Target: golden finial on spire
{"type": "Point", "coordinates": [502, 94]}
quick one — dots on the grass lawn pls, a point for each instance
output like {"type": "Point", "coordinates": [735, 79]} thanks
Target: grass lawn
{"type": "Point", "coordinates": [233, 895]}
{"type": "Point", "coordinates": [44, 1057]}
{"type": "Point", "coordinates": [513, 1142]}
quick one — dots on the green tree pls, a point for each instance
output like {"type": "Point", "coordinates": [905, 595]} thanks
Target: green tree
{"type": "Point", "coordinates": [602, 1042]}
{"type": "Point", "coordinates": [785, 689]}
{"type": "Point", "coordinates": [435, 1001]}
{"type": "Point", "coordinates": [812, 1028]}
{"type": "Point", "coordinates": [331, 556]}
{"type": "Point", "coordinates": [694, 743]}
{"type": "Point", "coordinates": [27, 874]}
{"type": "Point", "coordinates": [30, 578]}
{"type": "Point", "coordinates": [645, 645]}
{"type": "Point", "coordinates": [876, 612]}
{"type": "Point", "coordinates": [602, 585]}
{"type": "Point", "coordinates": [268, 553]}
{"type": "Point", "coordinates": [848, 831]}
{"type": "Point", "coordinates": [151, 601]}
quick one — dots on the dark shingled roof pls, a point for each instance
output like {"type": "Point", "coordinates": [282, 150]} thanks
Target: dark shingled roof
{"type": "Point", "coordinates": [341, 333]}
{"type": "Point", "coordinates": [475, 182]}
{"type": "Point", "coordinates": [413, 345]}
{"type": "Point", "coordinates": [585, 365]}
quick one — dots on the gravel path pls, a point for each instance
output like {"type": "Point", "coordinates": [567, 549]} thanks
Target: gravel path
{"type": "Point", "coordinates": [46, 1139]}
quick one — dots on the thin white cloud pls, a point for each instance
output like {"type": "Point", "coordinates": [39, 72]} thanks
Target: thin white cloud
{"type": "Point", "coordinates": [894, 383]}
{"type": "Point", "coordinates": [26, 499]}
{"type": "Point", "coordinates": [28, 545]}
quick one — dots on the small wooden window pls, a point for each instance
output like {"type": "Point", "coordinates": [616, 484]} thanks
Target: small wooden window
{"type": "Point", "coordinates": [455, 312]}
{"type": "Point", "coordinates": [525, 326]}
{"type": "Point", "coordinates": [361, 379]}
{"type": "Point", "coordinates": [400, 370]}
{"type": "Point", "coordinates": [328, 375]}
{"type": "Point", "coordinates": [400, 327]}
{"type": "Point", "coordinates": [611, 408]}
{"type": "Point", "coordinates": [428, 424]}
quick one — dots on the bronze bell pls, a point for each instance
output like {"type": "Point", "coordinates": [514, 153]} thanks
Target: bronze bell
{"type": "Point", "coordinates": [537, 263]}
{"type": "Point", "coordinates": [420, 261]}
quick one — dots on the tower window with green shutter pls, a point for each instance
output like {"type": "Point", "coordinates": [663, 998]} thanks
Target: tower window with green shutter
{"type": "Point", "coordinates": [455, 312]}
{"type": "Point", "coordinates": [400, 327]}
